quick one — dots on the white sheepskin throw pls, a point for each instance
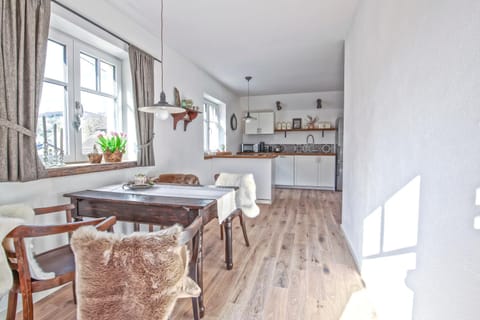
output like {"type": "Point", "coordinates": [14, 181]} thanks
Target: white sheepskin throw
{"type": "Point", "coordinates": [11, 216]}
{"type": "Point", "coordinates": [139, 276]}
{"type": "Point", "coordinates": [246, 193]}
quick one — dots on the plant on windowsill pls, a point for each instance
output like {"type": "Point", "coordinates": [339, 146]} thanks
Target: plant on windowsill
{"type": "Point", "coordinates": [113, 146]}
{"type": "Point", "coordinates": [95, 156]}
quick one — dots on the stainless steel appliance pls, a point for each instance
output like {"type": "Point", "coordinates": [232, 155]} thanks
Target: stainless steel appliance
{"type": "Point", "coordinates": [248, 147]}
{"type": "Point", "coordinates": [339, 154]}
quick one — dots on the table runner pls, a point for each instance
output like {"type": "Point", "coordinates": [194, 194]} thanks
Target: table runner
{"type": "Point", "coordinates": [225, 197]}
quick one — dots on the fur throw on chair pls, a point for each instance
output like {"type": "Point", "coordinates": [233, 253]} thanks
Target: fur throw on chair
{"type": "Point", "coordinates": [11, 216]}
{"type": "Point", "coordinates": [246, 194]}
{"type": "Point", "coordinates": [139, 276]}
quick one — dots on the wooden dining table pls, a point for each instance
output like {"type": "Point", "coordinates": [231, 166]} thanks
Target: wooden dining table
{"type": "Point", "coordinates": [132, 206]}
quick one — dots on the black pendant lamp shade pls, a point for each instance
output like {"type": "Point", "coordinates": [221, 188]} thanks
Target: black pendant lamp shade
{"type": "Point", "coordinates": [162, 107]}
{"type": "Point", "coordinates": [248, 117]}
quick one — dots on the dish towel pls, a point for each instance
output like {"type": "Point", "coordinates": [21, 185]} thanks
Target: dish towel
{"type": "Point", "coordinates": [12, 216]}
{"type": "Point", "coordinates": [246, 193]}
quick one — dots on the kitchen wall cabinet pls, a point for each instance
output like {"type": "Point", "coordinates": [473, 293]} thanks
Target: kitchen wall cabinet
{"type": "Point", "coordinates": [284, 170]}
{"type": "Point", "coordinates": [263, 123]}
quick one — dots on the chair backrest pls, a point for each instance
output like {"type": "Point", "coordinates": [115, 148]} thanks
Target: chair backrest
{"type": "Point", "coordinates": [19, 252]}
{"type": "Point", "coordinates": [140, 275]}
{"type": "Point", "coordinates": [177, 178]}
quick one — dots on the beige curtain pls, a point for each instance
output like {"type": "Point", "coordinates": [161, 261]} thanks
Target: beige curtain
{"type": "Point", "coordinates": [23, 43]}
{"type": "Point", "coordinates": [141, 65]}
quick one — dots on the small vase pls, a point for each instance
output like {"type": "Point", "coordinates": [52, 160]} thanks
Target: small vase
{"type": "Point", "coordinates": [112, 156]}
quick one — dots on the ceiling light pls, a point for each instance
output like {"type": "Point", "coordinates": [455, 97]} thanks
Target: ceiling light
{"type": "Point", "coordinates": [162, 106]}
{"type": "Point", "coordinates": [248, 117]}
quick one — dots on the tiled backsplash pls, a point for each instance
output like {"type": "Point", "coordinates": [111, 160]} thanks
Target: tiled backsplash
{"type": "Point", "coordinates": [325, 148]}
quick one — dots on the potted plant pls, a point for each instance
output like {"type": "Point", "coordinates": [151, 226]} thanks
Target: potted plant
{"type": "Point", "coordinates": [113, 146]}
{"type": "Point", "coordinates": [95, 156]}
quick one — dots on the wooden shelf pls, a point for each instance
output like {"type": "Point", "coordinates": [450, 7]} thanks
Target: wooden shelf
{"type": "Point", "coordinates": [187, 117]}
{"type": "Point", "coordinates": [305, 130]}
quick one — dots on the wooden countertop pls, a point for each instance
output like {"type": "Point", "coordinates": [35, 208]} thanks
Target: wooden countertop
{"type": "Point", "coordinates": [244, 156]}
{"type": "Point", "coordinates": [265, 155]}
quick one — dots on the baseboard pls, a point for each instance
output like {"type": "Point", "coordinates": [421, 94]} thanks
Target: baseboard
{"type": "Point", "coordinates": [350, 249]}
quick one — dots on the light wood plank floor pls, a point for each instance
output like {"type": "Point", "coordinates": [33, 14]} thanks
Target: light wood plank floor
{"type": "Point", "coordinates": [297, 267]}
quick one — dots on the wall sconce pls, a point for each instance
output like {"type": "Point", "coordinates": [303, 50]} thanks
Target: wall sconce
{"type": "Point", "coordinates": [319, 103]}
{"type": "Point", "coordinates": [279, 107]}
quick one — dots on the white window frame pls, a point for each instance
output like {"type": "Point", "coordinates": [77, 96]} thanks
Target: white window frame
{"type": "Point", "coordinates": [74, 47]}
{"type": "Point", "coordinates": [210, 101]}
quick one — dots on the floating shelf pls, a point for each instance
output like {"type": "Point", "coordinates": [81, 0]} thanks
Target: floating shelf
{"type": "Point", "coordinates": [187, 117]}
{"type": "Point", "coordinates": [305, 130]}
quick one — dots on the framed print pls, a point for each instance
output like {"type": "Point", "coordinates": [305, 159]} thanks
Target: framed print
{"type": "Point", "coordinates": [297, 123]}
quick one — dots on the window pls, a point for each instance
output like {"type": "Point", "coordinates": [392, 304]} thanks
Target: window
{"type": "Point", "coordinates": [214, 133]}
{"type": "Point", "coordinates": [81, 96]}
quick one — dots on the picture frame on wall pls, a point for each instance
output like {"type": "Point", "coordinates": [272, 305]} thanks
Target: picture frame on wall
{"type": "Point", "coordinates": [297, 123]}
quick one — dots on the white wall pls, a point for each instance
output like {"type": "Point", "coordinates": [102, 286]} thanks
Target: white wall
{"type": "Point", "coordinates": [175, 151]}
{"type": "Point", "coordinates": [297, 105]}
{"type": "Point", "coordinates": [411, 162]}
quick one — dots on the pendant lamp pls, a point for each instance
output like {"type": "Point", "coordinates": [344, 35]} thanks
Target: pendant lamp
{"type": "Point", "coordinates": [162, 108]}
{"type": "Point", "coordinates": [248, 117]}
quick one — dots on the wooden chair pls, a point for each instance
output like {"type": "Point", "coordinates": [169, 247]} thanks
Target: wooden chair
{"type": "Point", "coordinates": [59, 260]}
{"type": "Point", "coordinates": [237, 213]}
{"type": "Point", "coordinates": [175, 178]}
{"type": "Point", "coordinates": [149, 300]}
{"type": "Point", "coordinates": [178, 178]}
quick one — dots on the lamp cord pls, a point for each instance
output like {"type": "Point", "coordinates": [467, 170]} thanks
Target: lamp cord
{"type": "Point", "coordinates": [161, 37]}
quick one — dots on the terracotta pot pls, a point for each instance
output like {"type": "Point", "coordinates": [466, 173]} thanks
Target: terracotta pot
{"type": "Point", "coordinates": [112, 157]}
{"type": "Point", "coordinates": [95, 157]}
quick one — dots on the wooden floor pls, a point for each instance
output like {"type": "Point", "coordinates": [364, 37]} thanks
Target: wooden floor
{"type": "Point", "coordinates": [297, 267]}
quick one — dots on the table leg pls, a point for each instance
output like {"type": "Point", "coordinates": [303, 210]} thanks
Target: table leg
{"type": "Point", "coordinates": [200, 271]}
{"type": "Point", "coordinates": [228, 243]}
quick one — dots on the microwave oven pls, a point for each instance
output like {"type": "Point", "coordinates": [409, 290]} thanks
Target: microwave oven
{"type": "Point", "coordinates": [249, 147]}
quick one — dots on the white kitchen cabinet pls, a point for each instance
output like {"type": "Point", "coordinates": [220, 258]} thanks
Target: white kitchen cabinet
{"type": "Point", "coordinates": [315, 171]}
{"type": "Point", "coordinates": [284, 170]}
{"type": "Point", "coordinates": [262, 124]}
{"type": "Point", "coordinates": [306, 171]}
{"type": "Point", "coordinates": [326, 172]}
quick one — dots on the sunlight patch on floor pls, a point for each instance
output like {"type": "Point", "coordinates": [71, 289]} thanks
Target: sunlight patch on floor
{"type": "Point", "coordinates": [359, 307]}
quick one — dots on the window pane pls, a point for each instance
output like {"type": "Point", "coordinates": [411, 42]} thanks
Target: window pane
{"type": "Point", "coordinates": [107, 78]}
{"type": "Point", "coordinates": [88, 72]}
{"type": "Point", "coordinates": [98, 115]}
{"type": "Point", "coordinates": [56, 62]}
{"type": "Point", "coordinates": [52, 108]}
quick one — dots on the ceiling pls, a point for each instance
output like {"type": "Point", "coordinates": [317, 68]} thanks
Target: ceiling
{"type": "Point", "coordinates": [287, 46]}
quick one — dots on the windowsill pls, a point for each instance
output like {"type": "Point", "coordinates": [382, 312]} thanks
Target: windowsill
{"type": "Point", "coordinates": [81, 168]}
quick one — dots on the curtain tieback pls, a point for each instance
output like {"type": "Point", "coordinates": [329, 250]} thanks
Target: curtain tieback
{"type": "Point", "coordinates": [16, 127]}
{"type": "Point", "coordinates": [149, 142]}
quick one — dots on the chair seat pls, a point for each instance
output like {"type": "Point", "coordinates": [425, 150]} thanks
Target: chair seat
{"type": "Point", "coordinates": [60, 260]}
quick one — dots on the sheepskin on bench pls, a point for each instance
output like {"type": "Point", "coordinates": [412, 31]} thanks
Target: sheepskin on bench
{"type": "Point", "coordinates": [139, 276]}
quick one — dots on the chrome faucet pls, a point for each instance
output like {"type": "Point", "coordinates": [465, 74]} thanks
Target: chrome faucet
{"type": "Point", "coordinates": [308, 144]}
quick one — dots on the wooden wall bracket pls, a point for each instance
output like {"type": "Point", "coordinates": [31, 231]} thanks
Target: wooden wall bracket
{"type": "Point", "coordinates": [187, 117]}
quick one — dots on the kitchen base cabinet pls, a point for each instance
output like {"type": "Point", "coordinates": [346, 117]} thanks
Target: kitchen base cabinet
{"type": "Point", "coordinates": [315, 172]}
{"type": "Point", "coordinates": [326, 172]}
{"type": "Point", "coordinates": [284, 170]}
{"type": "Point", "coordinates": [306, 171]}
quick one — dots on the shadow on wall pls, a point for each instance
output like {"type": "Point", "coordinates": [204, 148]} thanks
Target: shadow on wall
{"type": "Point", "coordinates": [390, 235]}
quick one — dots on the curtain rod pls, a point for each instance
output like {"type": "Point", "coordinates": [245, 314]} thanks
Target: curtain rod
{"type": "Point", "coordinates": [96, 25]}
